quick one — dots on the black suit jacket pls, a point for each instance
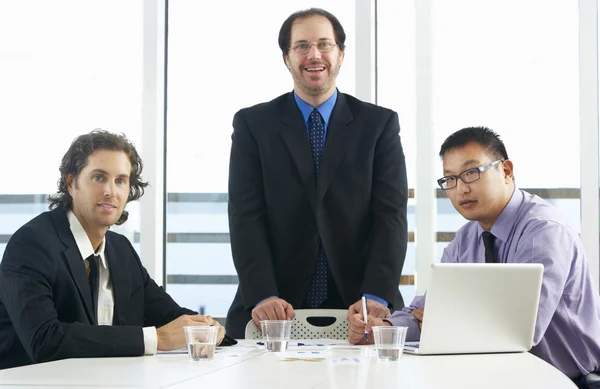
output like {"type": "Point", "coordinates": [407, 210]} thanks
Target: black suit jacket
{"type": "Point", "coordinates": [45, 301]}
{"type": "Point", "coordinates": [277, 211]}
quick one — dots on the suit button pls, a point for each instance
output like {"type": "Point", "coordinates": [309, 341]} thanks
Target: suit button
{"type": "Point", "coordinates": [316, 238]}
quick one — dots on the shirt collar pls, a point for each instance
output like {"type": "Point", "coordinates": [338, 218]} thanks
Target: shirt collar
{"type": "Point", "coordinates": [324, 109]}
{"type": "Point", "coordinates": [83, 242]}
{"type": "Point", "coordinates": [507, 218]}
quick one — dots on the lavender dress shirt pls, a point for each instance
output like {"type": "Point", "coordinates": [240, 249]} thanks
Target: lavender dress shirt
{"type": "Point", "coordinates": [531, 230]}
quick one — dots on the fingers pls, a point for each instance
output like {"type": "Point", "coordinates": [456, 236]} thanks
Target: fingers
{"type": "Point", "coordinates": [196, 319]}
{"type": "Point", "coordinates": [279, 311]}
{"type": "Point", "coordinates": [354, 309]}
{"type": "Point", "coordinates": [418, 313]}
{"type": "Point", "coordinates": [272, 309]}
{"type": "Point", "coordinates": [221, 333]}
{"type": "Point", "coordinates": [357, 320]}
{"type": "Point", "coordinates": [258, 315]}
{"type": "Point", "coordinates": [289, 311]}
{"type": "Point", "coordinates": [269, 310]}
{"type": "Point", "coordinates": [356, 330]}
{"type": "Point", "coordinates": [355, 335]}
{"type": "Point", "coordinates": [373, 322]}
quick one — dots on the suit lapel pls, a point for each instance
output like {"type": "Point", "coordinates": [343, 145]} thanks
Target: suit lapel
{"type": "Point", "coordinates": [336, 144]}
{"type": "Point", "coordinates": [120, 281]}
{"type": "Point", "coordinates": [75, 264]}
{"type": "Point", "coordinates": [295, 136]}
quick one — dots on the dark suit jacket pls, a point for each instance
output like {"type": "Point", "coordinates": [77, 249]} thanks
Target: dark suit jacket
{"type": "Point", "coordinates": [277, 211]}
{"type": "Point", "coordinates": [45, 301]}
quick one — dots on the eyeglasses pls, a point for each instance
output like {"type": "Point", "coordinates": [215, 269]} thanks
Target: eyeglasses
{"type": "Point", "coordinates": [468, 176]}
{"type": "Point", "coordinates": [305, 48]}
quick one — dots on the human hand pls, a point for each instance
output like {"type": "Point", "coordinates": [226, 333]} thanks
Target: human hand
{"type": "Point", "coordinates": [374, 309]}
{"type": "Point", "coordinates": [272, 309]}
{"type": "Point", "coordinates": [418, 314]}
{"type": "Point", "coordinates": [357, 327]}
{"type": "Point", "coordinates": [172, 337]}
{"type": "Point", "coordinates": [221, 334]}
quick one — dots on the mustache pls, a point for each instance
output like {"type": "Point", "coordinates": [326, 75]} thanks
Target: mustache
{"type": "Point", "coordinates": [316, 63]}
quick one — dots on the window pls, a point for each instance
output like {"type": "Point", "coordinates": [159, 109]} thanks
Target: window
{"type": "Point", "coordinates": [521, 82]}
{"type": "Point", "coordinates": [63, 76]}
{"type": "Point", "coordinates": [488, 68]}
{"type": "Point", "coordinates": [396, 90]}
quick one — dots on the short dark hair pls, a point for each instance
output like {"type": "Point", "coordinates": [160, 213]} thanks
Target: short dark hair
{"type": "Point", "coordinates": [76, 159]}
{"type": "Point", "coordinates": [285, 33]}
{"type": "Point", "coordinates": [482, 135]}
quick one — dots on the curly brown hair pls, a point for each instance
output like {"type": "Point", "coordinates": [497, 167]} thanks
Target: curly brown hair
{"type": "Point", "coordinates": [76, 159]}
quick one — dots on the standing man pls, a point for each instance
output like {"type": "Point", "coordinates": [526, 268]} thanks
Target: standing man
{"type": "Point", "coordinates": [69, 288]}
{"type": "Point", "coordinates": [508, 225]}
{"type": "Point", "coordinates": [317, 190]}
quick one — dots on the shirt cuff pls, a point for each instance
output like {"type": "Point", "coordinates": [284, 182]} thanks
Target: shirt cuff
{"type": "Point", "coordinates": [150, 340]}
{"type": "Point", "coordinates": [375, 298]}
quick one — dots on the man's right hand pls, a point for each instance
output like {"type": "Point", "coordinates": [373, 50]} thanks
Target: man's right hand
{"type": "Point", "coordinates": [272, 308]}
{"type": "Point", "coordinates": [172, 337]}
{"type": "Point", "coordinates": [418, 315]}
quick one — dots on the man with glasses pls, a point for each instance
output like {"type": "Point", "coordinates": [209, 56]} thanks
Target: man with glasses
{"type": "Point", "coordinates": [508, 225]}
{"type": "Point", "coordinates": [317, 190]}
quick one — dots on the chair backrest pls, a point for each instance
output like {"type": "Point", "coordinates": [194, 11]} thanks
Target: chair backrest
{"type": "Point", "coordinates": [302, 329]}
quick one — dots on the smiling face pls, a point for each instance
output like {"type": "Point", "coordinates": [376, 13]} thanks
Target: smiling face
{"type": "Point", "coordinates": [484, 199]}
{"type": "Point", "coordinates": [100, 191]}
{"type": "Point", "coordinates": [314, 73]}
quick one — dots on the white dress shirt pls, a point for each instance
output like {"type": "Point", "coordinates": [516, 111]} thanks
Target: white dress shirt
{"type": "Point", "coordinates": [106, 302]}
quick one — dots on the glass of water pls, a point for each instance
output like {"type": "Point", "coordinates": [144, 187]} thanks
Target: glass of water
{"type": "Point", "coordinates": [389, 341]}
{"type": "Point", "coordinates": [276, 334]}
{"type": "Point", "coordinates": [201, 341]}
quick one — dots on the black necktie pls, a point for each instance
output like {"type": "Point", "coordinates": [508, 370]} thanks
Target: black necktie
{"type": "Point", "coordinates": [488, 243]}
{"type": "Point", "coordinates": [317, 291]}
{"type": "Point", "coordinates": [94, 279]}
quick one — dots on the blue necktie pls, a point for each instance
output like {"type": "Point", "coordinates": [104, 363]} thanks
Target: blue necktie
{"type": "Point", "coordinates": [317, 292]}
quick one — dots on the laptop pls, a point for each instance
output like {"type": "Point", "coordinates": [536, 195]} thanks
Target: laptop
{"type": "Point", "coordinates": [479, 308]}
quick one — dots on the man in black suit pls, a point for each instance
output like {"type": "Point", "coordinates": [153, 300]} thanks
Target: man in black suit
{"type": "Point", "coordinates": [317, 190]}
{"type": "Point", "coordinates": [71, 288]}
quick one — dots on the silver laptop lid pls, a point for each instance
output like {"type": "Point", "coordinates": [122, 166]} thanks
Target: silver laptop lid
{"type": "Point", "coordinates": [481, 308]}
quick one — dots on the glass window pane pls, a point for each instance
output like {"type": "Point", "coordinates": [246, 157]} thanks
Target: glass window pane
{"type": "Point", "coordinates": [396, 90]}
{"type": "Point", "coordinates": [68, 67]}
{"type": "Point", "coordinates": [520, 81]}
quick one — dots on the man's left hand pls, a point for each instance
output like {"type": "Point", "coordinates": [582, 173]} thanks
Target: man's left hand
{"type": "Point", "coordinates": [215, 323]}
{"type": "Point", "coordinates": [357, 328]}
{"type": "Point", "coordinates": [374, 309]}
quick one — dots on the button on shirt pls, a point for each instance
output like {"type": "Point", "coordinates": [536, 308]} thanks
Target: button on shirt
{"type": "Point", "coordinates": [530, 230]}
{"type": "Point", "coordinates": [106, 303]}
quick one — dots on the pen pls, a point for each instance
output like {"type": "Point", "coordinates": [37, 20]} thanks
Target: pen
{"type": "Point", "coordinates": [364, 304]}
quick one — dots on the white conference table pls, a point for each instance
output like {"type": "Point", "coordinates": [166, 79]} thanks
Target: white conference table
{"type": "Point", "coordinates": [251, 367]}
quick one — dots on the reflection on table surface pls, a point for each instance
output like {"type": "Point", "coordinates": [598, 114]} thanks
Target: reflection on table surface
{"type": "Point", "coordinates": [248, 365]}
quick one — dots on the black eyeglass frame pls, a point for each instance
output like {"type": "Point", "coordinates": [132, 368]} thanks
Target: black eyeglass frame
{"type": "Point", "coordinates": [442, 182]}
